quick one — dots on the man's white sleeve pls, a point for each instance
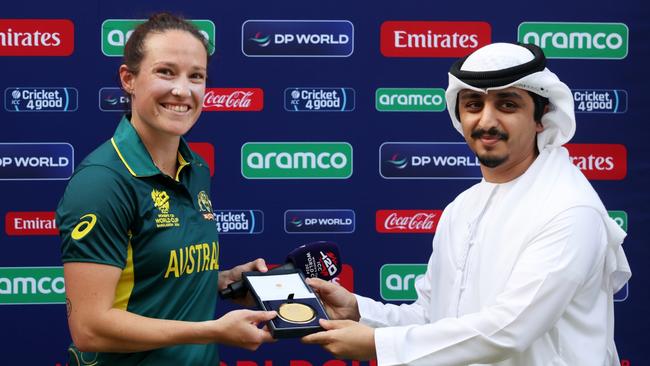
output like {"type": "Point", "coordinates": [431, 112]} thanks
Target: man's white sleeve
{"type": "Point", "coordinates": [543, 282]}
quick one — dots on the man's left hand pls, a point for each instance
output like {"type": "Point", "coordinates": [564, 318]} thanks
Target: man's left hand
{"type": "Point", "coordinates": [345, 339]}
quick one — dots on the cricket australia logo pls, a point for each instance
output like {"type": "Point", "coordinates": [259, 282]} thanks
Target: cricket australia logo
{"type": "Point", "coordinates": [205, 206]}
{"type": "Point", "coordinates": [161, 202]}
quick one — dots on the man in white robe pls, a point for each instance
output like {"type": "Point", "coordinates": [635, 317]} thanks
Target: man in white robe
{"type": "Point", "coordinates": [525, 263]}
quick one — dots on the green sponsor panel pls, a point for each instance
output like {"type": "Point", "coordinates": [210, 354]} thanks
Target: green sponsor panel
{"type": "Point", "coordinates": [115, 33]}
{"type": "Point", "coordinates": [577, 40]}
{"type": "Point", "coordinates": [620, 217]}
{"type": "Point", "coordinates": [410, 100]}
{"type": "Point", "coordinates": [296, 160]}
{"type": "Point", "coordinates": [32, 285]}
{"type": "Point", "coordinates": [397, 281]}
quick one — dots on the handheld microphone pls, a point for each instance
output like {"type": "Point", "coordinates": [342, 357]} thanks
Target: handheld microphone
{"type": "Point", "coordinates": [318, 259]}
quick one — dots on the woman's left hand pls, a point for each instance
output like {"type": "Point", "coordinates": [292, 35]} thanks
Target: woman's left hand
{"type": "Point", "coordinates": [234, 274]}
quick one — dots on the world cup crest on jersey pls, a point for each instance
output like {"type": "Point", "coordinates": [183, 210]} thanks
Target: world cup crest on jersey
{"type": "Point", "coordinates": [205, 206]}
{"type": "Point", "coordinates": [161, 202]}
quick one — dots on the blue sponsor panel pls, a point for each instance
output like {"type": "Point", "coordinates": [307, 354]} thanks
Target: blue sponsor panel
{"type": "Point", "coordinates": [319, 221]}
{"type": "Point", "coordinates": [239, 221]}
{"type": "Point", "coordinates": [113, 100]}
{"type": "Point", "coordinates": [36, 161]}
{"type": "Point", "coordinates": [31, 99]}
{"type": "Point", "coordinates": [622, 294]}
{"type": "Point", "coordinates": [297, 38]}
{"type": "Point", "coordinates": [600, 100]}
{"type": "Point", "coordinates": [319, 99]}
{"type": "Point", "coordinates": [428, 160]}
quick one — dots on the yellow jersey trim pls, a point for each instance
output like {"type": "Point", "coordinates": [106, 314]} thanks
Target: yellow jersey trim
{"type": "Point", "coordinates": [182, 164]}
{"type": "Point", "coordinates": [122, 158]}
{"type": "Point", "coordinates": [126, 282]}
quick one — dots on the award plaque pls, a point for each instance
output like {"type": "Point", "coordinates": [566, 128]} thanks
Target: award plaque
{"type": "Point", "coordinates": [286, 292]}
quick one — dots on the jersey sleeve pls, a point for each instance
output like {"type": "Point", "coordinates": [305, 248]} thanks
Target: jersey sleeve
{"type": "Point", "coordinates": [94, 217]}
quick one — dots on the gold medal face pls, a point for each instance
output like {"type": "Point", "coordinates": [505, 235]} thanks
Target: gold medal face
{"type": "Point", "coordinates": [296, 313]}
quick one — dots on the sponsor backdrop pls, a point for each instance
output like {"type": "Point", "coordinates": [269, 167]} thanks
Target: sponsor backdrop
{"type": "Point", "coordinates": [322, 121]}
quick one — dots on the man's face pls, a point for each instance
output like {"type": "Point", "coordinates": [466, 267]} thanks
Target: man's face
{"type": "Point", "coordinates": [499, 127]}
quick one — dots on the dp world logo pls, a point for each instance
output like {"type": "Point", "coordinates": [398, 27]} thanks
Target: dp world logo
{"type": "Point", "coordinates": [397, 281]}
{"type": "Point", "coordinates": [319, 221]}
{"type": "Point", "coordinates": [23, 99]}
{"type": "Point", "coordinates": [297, 38]}
{"type": "Point", "coordinates": [113, 100]}
{"type": "Point", "coordinates": [397, 161]}
{"type": "Point", "coordinates": [115, 33]}
{"type": "Point", "coordinates": [296, 160]}
{"type": "Point", "coordinates": [577, 40]}
{"type": "Point", "coordinates": [428, 160]}
{"type": "Point", "coordinates": [261, 40]}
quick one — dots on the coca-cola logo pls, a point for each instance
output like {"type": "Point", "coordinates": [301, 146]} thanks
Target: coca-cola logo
{"type": "Point", "coordinates": [407, 221]}
{"type": "Point", "coordinates": [233, 99]}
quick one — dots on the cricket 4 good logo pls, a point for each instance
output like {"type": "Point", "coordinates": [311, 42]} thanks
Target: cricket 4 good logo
{"type": "Point", "coordinates": [23, 99]}
{"type": "Point", "coordinates": [296, 160]}
{"type": "Point", "coordinates": [319, 99]}
{"type": "Point", "coordinates": [410, 100]}
{"type": "Point", "coordinates": [30, 223]}
{"type": "Point", "coordinates": [397, 281]}
{"type": "Point", "coordinates": [599, 100]}
{"type": "Point", "coordinates": [36, 37]}
{"type": "Point", "coordinates": [115, 33]}
{"type": "Point", "coordinates": [599, 161]}
{"type": "Point", "coordinates": [206, 151]}
{"type": "Point", "coordinates": [620, 217]}
{"type": "Point", "coordinates": [233, 99]}
{"type": "Point", "coordinates": [577, 40]}
{"type": "Point", "coordinates": [407, 221]}
{"type": "Point", "coordinates": [433, 39]}
{"type": "Point", "coordinates": [31, 285]}
{"type": "Point", "coordinates": [239, 221]}
{"type": "Point", "coordinates": [428, 160]}
{"type": "Point", "coordinates": [113, 100]}
{"type": "Point", "coordinates": [36, 161]}
{"type": "Point", "coordinates": [297, 38]}
{"type": "Point", "coordinates": [319, 221]}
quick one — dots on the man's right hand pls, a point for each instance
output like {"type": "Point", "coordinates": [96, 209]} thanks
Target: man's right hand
{"type": "Point", "coordinates": [339, 302]}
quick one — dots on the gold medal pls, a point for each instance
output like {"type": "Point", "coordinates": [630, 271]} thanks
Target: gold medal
{"type": "Point", "coordinates": [296, 313]}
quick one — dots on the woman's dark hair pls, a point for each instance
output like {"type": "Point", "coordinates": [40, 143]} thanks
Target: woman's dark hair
{"type": "Point", "coordinates": [157, 23]}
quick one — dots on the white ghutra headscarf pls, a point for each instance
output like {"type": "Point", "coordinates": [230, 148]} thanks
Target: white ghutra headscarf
{"type": "Point", "coordinates": [503, 65]}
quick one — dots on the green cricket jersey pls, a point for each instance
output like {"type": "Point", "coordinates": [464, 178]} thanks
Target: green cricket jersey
{"type": "Point", "coordinates": [120, 210]}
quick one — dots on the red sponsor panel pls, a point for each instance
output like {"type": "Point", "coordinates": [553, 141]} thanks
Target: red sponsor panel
{"type": "Point", "coordinates": [31, 223]}
{"type": "Point", "coordinates": [346, 278]}
{"type": "Point", "coordinates": [233, 99]}
{"type": "Point", "coordinates": [206, 151]}
{"type": "Point", "coordinates": [433, 39]}
{"type": "Point", "coordinates": [407, 221]}
{"type": "Point", "coordinates": [599, 161]}
{"type": "Point", "coordinates": [36, 37]}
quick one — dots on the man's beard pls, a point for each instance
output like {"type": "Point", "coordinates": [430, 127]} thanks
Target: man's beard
{"type": "Point", "coordinates": [490, 162]}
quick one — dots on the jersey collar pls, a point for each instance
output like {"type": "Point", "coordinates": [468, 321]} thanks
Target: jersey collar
{"type": "Point", "coordinates": [134, 154]}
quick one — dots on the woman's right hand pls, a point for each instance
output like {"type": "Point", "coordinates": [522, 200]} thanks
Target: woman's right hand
{"type": "Point", "coordinates": [239, 328]}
